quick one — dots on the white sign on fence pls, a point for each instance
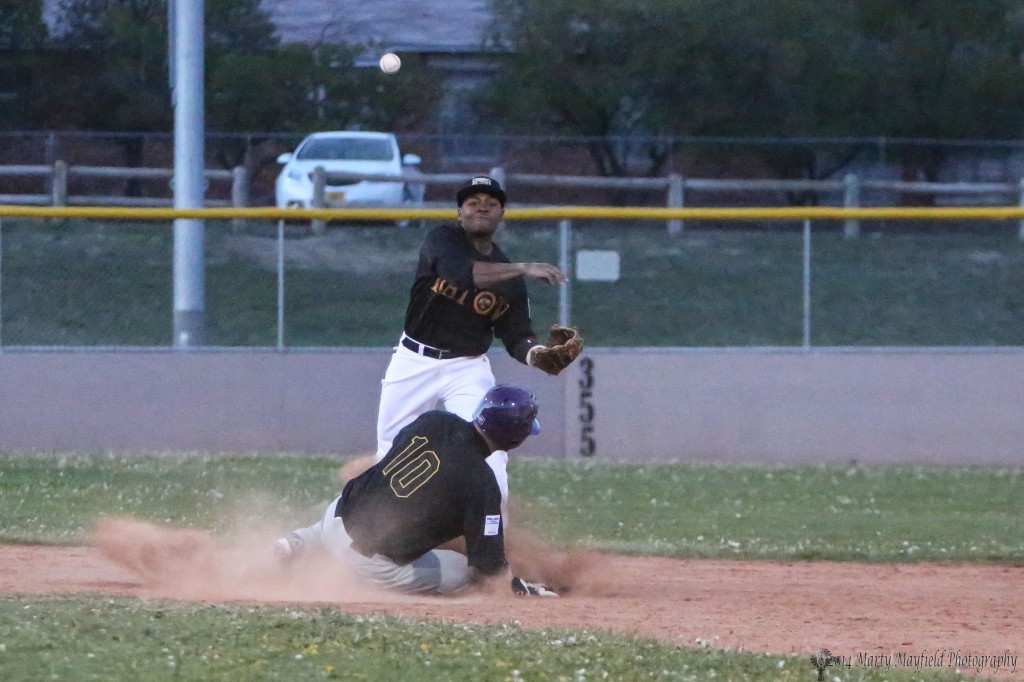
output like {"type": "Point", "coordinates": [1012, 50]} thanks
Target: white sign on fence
{"type": "Point", "coordinates": [597, 266]}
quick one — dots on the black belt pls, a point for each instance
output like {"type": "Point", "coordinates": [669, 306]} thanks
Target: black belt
{"type": "Point", "coordinates": [429, 351]}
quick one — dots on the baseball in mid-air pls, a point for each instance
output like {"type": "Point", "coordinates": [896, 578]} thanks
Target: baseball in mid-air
{"type": "Point", "coordinates": [390, 63]}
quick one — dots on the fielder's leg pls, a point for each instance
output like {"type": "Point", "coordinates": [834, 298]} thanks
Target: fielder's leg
{"type": "Point", "coordinates": [410, 388]}
{"type": "Point", "coordinates": [465, 381]}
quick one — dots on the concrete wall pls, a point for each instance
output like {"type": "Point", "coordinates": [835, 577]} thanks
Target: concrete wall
{"type": "Point", "coordinates": [929, 406]}
{"type": "Point", "coordinates": [933, 406]}
{"type": "Point", "coordinates": [295, 401]}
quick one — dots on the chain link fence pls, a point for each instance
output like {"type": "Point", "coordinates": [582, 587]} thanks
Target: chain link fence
{"type": "Point", "coordinates": [97, 283]}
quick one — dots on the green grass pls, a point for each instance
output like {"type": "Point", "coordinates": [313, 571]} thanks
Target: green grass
{"type": "Point", "coordinates": [89, 284]}
{"type": "Point", "coordinates": [55, 499]}
{"type": "Point", "coordinates": [119, 639]}
{"type": "Point", "coordinates": [82, 283]}
{"type": "Point", "coordinates": [892, 514]}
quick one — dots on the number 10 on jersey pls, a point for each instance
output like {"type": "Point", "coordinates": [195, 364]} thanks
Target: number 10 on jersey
{"type": "Point", "coordinates": [413, 467]}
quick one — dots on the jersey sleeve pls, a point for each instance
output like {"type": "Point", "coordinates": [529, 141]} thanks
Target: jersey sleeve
{"type": "Point", "coordinates": [442, 255]}
{"type": "Point", "coordinates": [515, 329]}
{"type": "Point", "coordinates": [484, 528]}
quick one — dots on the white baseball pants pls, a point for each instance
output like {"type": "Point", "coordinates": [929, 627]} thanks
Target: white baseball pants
{"type": "Point", "coordinates": [414, 384]}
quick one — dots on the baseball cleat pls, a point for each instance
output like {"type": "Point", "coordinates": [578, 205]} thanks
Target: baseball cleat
{"type": "Point", "coordinates": [288, 547]}
{"type": "Point", "coordinates": [522, 588]}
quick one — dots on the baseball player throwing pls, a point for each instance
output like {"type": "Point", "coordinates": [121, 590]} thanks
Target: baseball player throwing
{"type": "Point", "coordinates": [466, 292]}
{"type": "Point", "coordinates": [432, 486]}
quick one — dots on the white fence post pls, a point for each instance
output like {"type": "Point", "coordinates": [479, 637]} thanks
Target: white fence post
{"type": "Point", "coordinates": [1, 285]}
{"type": "Point", "coordinates": [807, 284]}
{"type": "Point", "coordinates": [851, 228]}
{"type": "Point", "coordinates": [59, 183]}
{"type": "Point", "coordinates": [319, 182]}
{"type": "Point", "coordinates": [1020, 202]}
{"type": "Point", "coordinates": [239, 193]}
{"type": "Point", "coordinates": [675, 200]}
{"type": "Point", "coordinates": [280, 284]}
{"type": "Point", "coordinates": [498, 173]}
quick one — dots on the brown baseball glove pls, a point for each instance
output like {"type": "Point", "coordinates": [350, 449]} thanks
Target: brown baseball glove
{"type": "Point", "coordinates": [564, 345]}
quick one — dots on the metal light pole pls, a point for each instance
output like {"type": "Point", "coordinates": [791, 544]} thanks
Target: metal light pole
{"type": "Point", "coordinates": [185, 19]}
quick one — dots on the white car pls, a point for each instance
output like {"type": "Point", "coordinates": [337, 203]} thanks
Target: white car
{"type": "Point", "coordinates": [343, 152]}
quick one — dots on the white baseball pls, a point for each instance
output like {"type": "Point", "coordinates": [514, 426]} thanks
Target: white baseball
{"type": "Point", "coordinates": [390, 63]}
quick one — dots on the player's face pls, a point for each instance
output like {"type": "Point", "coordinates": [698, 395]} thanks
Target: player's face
{"type": "Point", "coordinates": [480, 215]}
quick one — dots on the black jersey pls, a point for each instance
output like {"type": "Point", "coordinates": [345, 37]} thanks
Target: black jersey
{"type": "Point", "coordinates": [432, 487]}
{"type": "Point", "coordinates": [447, 311]}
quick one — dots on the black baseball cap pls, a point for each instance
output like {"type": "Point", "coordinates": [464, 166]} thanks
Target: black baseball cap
{"type": "Point", "coordinates": [482, 184]}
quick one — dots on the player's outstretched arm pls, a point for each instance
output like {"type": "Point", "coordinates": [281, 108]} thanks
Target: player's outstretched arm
{"type": "Point", "coordinates": [486, 274]}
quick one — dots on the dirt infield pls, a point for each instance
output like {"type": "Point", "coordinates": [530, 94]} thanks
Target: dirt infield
{"type": "Point", "coordinates": [852, 609]}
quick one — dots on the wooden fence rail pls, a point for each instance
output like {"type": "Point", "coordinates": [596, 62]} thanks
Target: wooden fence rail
{"type": "Point", "coordinates": [847, 191]}
{"type": "Point", "coordinates": [60, 173]}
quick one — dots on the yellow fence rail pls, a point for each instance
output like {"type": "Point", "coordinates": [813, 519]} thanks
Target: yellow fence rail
{"type": "Point", "coordinates": [531, 213]}
{"type": "Point", "coordinates": [563, 215]}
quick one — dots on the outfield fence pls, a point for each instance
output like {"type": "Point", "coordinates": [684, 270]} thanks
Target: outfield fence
{"type": "Point", "coordinates": [566, 230]}
{"type": "Point", "coordinates": [791, 377]}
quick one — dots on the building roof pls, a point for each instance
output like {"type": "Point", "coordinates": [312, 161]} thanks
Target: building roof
{"type": "Point", "coordinates": [410, 25]}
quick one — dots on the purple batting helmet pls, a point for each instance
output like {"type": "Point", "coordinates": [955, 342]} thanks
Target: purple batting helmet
{"type": "Point", "coordinates": [507, 415]}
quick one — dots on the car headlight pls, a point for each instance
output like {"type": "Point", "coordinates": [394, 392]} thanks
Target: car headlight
{"type": "Point", "coordinates": [294, 174]}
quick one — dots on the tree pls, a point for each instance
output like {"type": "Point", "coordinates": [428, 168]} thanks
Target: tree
{"type": "Point", "coordinates": [785, 69]}
{"type": "Point", "coordinates": [578, 68]}
{"type": "Point", "coordinates": [655, 68]}
{"type": "Point", "coordinates": [122, 84]}
{"type": "Point", "coordinates": [22, 34]}
{"type": "Point", "coordinates": [941, 69]}
{"type": "Point", "coordinates": [120, 75]}
{"type": "Point", "coordinates": [21, 25]}
{"type": "Point", "coordinates": [239, 26]}
{"type": "Point", "coordinates": [362, 97]}
{"type": "Point", "coordinates": [253, 82]}
{"type": "Point", "coordinates": [651, 69]}
{"type": "Point", "coordinates": [128, 39]}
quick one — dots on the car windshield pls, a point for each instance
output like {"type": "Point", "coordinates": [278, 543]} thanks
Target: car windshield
{"type": "Point", "coordinates": [347, 149]}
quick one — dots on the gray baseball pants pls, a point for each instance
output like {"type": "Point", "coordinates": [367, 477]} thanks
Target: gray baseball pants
{"type": "Point", "coordinates": [439, 571]}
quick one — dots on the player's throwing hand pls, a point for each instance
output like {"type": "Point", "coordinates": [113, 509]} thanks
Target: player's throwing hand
{"type": "Point", "coordinates": [544, 272]}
